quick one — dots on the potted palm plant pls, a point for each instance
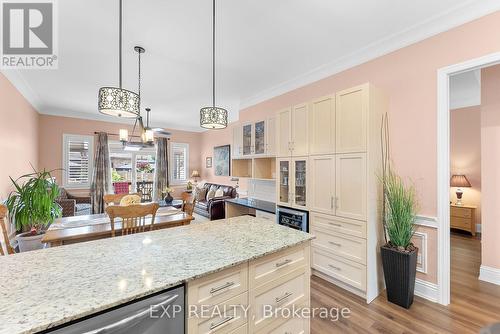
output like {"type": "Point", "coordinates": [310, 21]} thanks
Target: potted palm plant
{"type": "Point", "coordinates": [32, 207]}
{"type": "Point", "coordinates": [399, 255]}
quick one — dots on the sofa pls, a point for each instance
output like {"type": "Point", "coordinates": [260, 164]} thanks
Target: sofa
{"type": "Point", "coordinates": [73, 205]}
{"type": "Point", "coordinates": [213, 208]}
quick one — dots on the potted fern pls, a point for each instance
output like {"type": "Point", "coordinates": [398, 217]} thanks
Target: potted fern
{"type": "Point", "coordinates": [32, 207]}
{"type": "Point", "coordinates": [399, 255]}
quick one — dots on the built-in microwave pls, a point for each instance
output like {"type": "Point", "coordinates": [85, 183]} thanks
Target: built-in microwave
{"type": "Point", "coordinates": [296, 219]}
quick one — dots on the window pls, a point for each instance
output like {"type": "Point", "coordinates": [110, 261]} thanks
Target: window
{"type": "Point", "coordinates": [77, 160]}
{"type": "Point", "coordinates": [179, 167]}
{"type": "Point", "coordinates": [135, 168]}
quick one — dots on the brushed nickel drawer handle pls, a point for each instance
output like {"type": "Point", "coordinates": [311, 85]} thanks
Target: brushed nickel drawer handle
{"type": "Point", "coordinates": [282, 298]}
{"type": "Point", "coordinates": [220, 323]}
{"type": "Point", "coordinates": [336, 268]}
{"type": "Point", "coordinates": [335, 244]}
{"type": "Point", "coordinates": [335, 224]}
{"type": "Point", "coordinates": [283, 263]}
{"type": "Point", "coordinates": [222, 287]}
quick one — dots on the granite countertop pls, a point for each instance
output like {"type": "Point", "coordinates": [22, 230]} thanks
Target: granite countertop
{"type": "Point", "coordinates": [253, 203]}
{"type": "Point", "coordinates": [45, 288]}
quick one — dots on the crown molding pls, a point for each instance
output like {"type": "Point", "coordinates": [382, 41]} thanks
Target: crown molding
{"type": "Point", "coordinates": [17, 80]}
{"type": "Point", "coordinates": [454, 17]}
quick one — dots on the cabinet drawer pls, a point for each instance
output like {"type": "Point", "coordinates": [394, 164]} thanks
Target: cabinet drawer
{"type": "Point", "coordinates": [460, 212]}
{"type": "Point", "coordinates": [343, 225]}
{"type": "Point", "coordinates": [349, 272]}
{"type": "Point", "coordinates": [349, 247]}
{"type": "Point", "coordinates": [288, 290]}
{"type": "Point", "coordinates": [272, 267]}
{"type": "Point", "coordinates": [219, 287]}
{"type": "Point", "coordinates": [289, 326]}
{"type": "Point", "coordinates": [227, 317]}
{"type": "Point", "coordinates": [265, 215]}
{"type": "Point", "coordinates": [462, 223]}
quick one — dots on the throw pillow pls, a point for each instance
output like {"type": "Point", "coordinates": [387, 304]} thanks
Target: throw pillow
{"type": "Point", "coordinates": [210, 195]}
{"type": "Point", "coordinates": [219, 193]}
{"type": "Point", "coordinates": [200, 194]}
{"type": "Point", "coordinates": [130, 199]}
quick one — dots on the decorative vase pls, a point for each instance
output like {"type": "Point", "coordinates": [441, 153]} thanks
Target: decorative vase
{"type": "Point", "coordinates": [28, 241]}
{"type": "Point", "coordinates": [400, 269]}
{"type": "Point", "coordinates": [169, 198]}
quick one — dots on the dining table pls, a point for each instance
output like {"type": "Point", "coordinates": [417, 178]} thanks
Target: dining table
{"type": "Point", "coordinates": [69, 230]}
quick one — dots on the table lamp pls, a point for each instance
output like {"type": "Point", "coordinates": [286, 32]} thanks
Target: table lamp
{"type": "Point", "coordinates": [195, 174]}
{"type": "Point", "coordinates": [459, 181]}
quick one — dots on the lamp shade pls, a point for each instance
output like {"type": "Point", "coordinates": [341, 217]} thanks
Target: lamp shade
{"type": "Point", "coordinates": [460, 181]}
{"type": "Point", "coordinates": [213, 118]}
{"type": "Point", "coordinates": [195, 173]}
{"type": "Point", "coordinates": [118, 102]}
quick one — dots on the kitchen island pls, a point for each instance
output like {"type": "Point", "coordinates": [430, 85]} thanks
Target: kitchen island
{"type": "Point", "coordinates": [47, 288]}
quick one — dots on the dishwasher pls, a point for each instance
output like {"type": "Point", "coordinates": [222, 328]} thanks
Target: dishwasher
{"type": "Point", "coordinates": [161, 313]}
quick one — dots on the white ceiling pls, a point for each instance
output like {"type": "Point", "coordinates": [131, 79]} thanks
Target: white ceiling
{"type": "Point", "coordinates": [465, 89]}
{"type": "Point", "coordinates": [265, 48]}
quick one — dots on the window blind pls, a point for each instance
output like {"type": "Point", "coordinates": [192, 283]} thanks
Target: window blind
{"type": "Point", "coordinates": [78, 168]}
{"type": "Point", "coordinates": [179, 156]}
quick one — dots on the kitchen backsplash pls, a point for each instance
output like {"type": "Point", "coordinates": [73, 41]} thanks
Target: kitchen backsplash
{"type": "Point", "coordinates": [262, 189]}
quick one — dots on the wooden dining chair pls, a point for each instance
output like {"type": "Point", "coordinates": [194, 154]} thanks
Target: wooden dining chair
{"type": "Point", "coordinates": [133, 217]}
{"type": "Point", "coordinates": [3, 227]}
{"type": "Point", "coordinates": [114, 199]}
{"type": "Point", "coordinates": [188, 202]}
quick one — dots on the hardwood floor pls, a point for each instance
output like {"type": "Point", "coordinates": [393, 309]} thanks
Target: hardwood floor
{"type": "Point", "coordinates": [474, 303]}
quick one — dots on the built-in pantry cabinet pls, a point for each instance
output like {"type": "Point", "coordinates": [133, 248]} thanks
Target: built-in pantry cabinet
{"type": "Point", "coordinates": [338, 138]}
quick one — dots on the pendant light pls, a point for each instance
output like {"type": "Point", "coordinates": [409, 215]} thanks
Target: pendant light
{"type": "Point", "coordinates": [116, 101]}
{"type": "Point", "coordinates": [213, 117]}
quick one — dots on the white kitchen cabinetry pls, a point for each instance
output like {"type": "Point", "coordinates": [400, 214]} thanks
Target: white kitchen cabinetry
{"type": "Point", "coordinates": [293, 131]}
{"type": "Point", "coordinates": [255, 139]}
{"type": "Point", "coordinates": [322, 175]}
{"type": "Point", "coordinates": [292, 186]}
{"type": "Point", "coordinates": [322, 126]}
{"type": "Point", "coordinates": [237, 150]}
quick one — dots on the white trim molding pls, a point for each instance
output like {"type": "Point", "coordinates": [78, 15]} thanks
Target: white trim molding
{"type": "Point", "coordinates": [443, 165]}
{"type": "Point", "coordinates": [422, 252]}
{"type": "Point", "coordinates": [426, 290]}
{"type": "Point", "coordinates": [427, 221]}
{"type": "Point", "coordinates": [489, 274]}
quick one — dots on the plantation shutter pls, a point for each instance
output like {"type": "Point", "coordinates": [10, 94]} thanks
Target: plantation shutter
{"type": "Point", "coordinates": [78, 163]}
{"type": "Point", "coordinates": [179, 157]}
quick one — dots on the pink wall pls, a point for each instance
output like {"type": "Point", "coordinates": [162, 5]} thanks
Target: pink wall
{"type": "Point", "coordinates": [409, 77]}
{"type": "Point", "coordinates": [490, 171]}
{"type": "Point", "coordinates": [52, 129]}
{"type": "Point", "coordinates": [18, 135]}
{"type": "Point", "coordinates": [465, 153]}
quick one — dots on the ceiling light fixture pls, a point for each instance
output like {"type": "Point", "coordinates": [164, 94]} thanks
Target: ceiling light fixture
{"type": "Point", "coordinates": [213, 117]}
{"type": "Point", "coordinates": [115, 101]}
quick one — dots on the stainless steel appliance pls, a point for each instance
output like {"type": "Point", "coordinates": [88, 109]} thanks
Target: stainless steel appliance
{"type": "Point", "coordinates": [296, 219]}
{"type": "Point", "coordinates": [158, 314]}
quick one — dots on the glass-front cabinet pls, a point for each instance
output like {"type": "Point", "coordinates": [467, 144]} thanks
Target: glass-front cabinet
{"type": "Point", "coordinates": [284, 182]}
{"type": "Point", "coordinates": [292, 185]}
{"type": "Point", "coordinates": [260, 137]}
{"type": "Point", "coordinates": [300, 182]}
{"type": "Point", "coordinates": [247, 139]}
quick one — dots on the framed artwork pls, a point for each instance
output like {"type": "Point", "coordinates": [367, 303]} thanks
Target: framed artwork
{"type": "Point", "coordinates": [222, 160]}
{"type": "Point", "coordinates": [208, 162]}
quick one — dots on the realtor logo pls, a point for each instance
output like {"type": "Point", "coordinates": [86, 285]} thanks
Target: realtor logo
{"type": "Point", "coordinates": [28, 34]}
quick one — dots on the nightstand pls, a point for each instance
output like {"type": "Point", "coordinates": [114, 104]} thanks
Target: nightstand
{"type": "Point", "coordinates": [463, 217]}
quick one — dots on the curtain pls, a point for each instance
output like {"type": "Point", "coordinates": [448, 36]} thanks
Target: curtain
{"type": "Point", "coordinates": [101, 178]}
{"type": "Point", "coordinates": [161, 168]}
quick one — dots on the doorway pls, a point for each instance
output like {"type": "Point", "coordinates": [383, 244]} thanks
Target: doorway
{"type": "Point", "coordinates": [443, 112]}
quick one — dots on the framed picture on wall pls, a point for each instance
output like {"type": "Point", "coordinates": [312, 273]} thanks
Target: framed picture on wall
{"type": "Point", "coordinates": [208, 162]}
{"type": "Point", "coordinates": [222, 160]}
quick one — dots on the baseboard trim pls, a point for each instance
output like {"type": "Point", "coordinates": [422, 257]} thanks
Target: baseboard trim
{"type": "Point", "coordinates": [426, 290]}
{"type": "Point", "coordinates": [489, 274]}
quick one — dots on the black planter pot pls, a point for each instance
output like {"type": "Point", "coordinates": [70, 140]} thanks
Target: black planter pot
{"type": "Point", "coordinates": [400, 269]}
{"type": "Point", "coordinates": [168, 198]}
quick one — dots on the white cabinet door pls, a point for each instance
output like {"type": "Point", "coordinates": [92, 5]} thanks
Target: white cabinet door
{"type": "Point", "coordinates": [322, 126]}
{"type": "Point", "coordinates": [271, 134]}
{"type": "Point", "coordinates": [300, 130]}
{"type": "Point", "coordinates": [284, 126]}
{"type": "Point", "coordinates": [350, 185]}
{"type": "Point", "coordinates": [237, 141]}
{"type": "Point", "coordinates": [300, 175]}
{"type": "Point", "coordinates": [322, 171]}
{"type": "Point", "coordinates": [283, 184]}
{"type": "Point", "coordinates": [259, 138]}
{"type": "Point", "coordinates": [351, 115]}
{"type": "Point", "coordinates": [247, 138]}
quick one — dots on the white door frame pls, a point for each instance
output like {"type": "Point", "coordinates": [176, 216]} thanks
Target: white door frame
{"type": "Point", "coordinates": [443, 165]}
